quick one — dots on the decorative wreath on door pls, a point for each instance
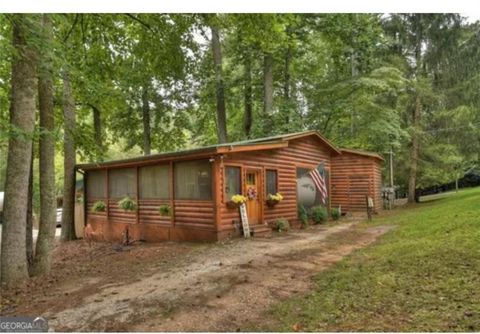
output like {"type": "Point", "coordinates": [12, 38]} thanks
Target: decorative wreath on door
{"type": "Point", "coordinates": [252, 193]}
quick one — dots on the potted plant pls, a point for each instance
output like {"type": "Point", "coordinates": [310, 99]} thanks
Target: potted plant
{"type": "Point", "coordinates": [273, 200]}
{"type": "Point", "coordinates": [127, 204]}
{"type": "Point", "coordinates": [165, 210]}
{"type": "Point", "coordinates": [236, 201]}
{"type": "Point", "coordinates": [99, 206]}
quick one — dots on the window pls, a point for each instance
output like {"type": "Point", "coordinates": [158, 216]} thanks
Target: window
{"type": "Point", "coordinates": [121, 183]}
{"type": "Point", "coordinates": [96, 184]}
{"type": "Point", "coordinates": [154, 182]}
{"type": "Point", "coordinates": [193, 180]}
{"type": "Point", "coordinates": [232, 181]}
{"type": "Point", "coordinates": [271, 182]}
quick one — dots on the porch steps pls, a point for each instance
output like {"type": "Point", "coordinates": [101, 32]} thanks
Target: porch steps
{"type": "Point", "coordinates": [261, 231]}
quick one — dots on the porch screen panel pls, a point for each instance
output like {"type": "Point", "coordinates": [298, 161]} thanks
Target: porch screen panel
{"type": "Point", "coordinates": [121, 183]}
{"type": "Point", "coordinates": [96, 184]}
{"type": "Point", "coordinates": [193, 180]}
{"type": "Point", "coordinates": [154, 182]}
{"type": "Point", "coordinates": [232, 181]}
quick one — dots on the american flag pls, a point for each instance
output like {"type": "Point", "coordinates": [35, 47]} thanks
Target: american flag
{"type": "Point", "coordinates": [317, 175]}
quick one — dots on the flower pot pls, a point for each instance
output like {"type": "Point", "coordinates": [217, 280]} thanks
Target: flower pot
{"type": "Point", "coordinates": [233, 205]}
{"type": "Point", "coordinates": [271, 203]}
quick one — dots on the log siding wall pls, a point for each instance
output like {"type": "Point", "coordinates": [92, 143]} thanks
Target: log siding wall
{"type": "Point", "coordinates": [304, 152]}
{"type": "Point", "coordinates": [354, 176]}
{"type": "Point", "coordinates": [210, 220]}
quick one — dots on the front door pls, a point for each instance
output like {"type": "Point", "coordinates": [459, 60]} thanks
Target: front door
{"type": "Point", "coordinates": [253, 189]}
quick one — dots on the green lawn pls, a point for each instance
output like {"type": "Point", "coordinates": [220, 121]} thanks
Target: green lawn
{"type": "Point", "coordinates": [422, 276]}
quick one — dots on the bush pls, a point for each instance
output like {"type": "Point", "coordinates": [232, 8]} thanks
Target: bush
{"type": "Point", "coordinates": [165, 210]}
{"type": "Point", "coordinates": [127, 204]}
{"type": "Point", "coordinates": [319, 214]}
{"type": "Point", "coordinates": [99, 206]}
{"type": "Point", "coordinates": [335, 213]}
{"type": "Point", "coordinates": [303, 215]}
{"type": "Point", "coordinates": [282, 224]}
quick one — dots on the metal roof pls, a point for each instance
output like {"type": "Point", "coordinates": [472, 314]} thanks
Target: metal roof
{"type": "Point", "coordinates": [254, 144]}
{"type": "Point", "coordinates": [361, 152]}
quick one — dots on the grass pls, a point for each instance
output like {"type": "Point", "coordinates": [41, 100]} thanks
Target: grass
{"type": "Point", "coordinates": [422, 276]}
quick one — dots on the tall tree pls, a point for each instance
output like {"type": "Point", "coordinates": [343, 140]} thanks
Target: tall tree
{"type": "Point", "coordinates": [248, 102]}
{"type": "Point", "coordinates": [220, 89]}
{"type": "Point", "coordinates": [146, 121]}
{"type": "Point", "coordinates": [14, 268]}
{"type": "Point", "coordinates": [46, 233]}
{"type": "Point", "coordinates": [68, 212]}
{"type": "Point", "coordinates": [267, 90]}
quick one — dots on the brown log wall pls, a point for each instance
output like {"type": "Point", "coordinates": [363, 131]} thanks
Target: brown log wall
{"type": "Point", "coordinates": [353, 177]}
{"type": "Point", "coordinates": [304, 153]}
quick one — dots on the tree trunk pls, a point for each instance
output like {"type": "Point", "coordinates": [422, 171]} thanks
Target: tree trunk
{"type": "Point", "coordinates": [220, 89]}
{"type": "Point", "coordinates": [68, 223]}
{"type": "Point", "coordinates": [29, 228]}
{"type": "Point", "coordinates": [267, 92]}
{"type": "Point", "coordinates": [414, 150]}
{"type": "Point", "coordinates": [97, 128]}
{"type": "Point", "coordinates": [14, 268]}
{"type": "Point", "coordinates": [248, 115]}
{"type": "Point", "coordinates": [146, 121]}
{"type": "Point", "coordinates": [417, 113]}
{"type": "Point", "coordinates": [48, 205]}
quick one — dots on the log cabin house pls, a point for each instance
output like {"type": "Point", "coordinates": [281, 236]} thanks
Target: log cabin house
{"type": "Point", "coordinates": [194, 187]}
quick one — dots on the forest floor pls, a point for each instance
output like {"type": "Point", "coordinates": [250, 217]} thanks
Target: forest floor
{"type": "Point", "coordinates": [183, 286]}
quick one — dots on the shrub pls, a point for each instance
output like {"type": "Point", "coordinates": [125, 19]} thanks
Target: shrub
{"type": "Point", "coordinates": [165, 210]}
{"type": "Point", "coordinates": [335, 213]}
{"type": "Point", "coordinates": [99, 206]}
{"type": "Point", "coordinates": [281, 224]}
{"type": "Point", "coordinates": [303, 215]}
{"type": "Point", "coordinates": [127, 204]}
{"type": "Point", "coordinates": [319, 214]}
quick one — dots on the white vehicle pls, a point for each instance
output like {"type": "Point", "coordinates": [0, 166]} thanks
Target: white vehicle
{"type": "Point", "coordinates": [59, 217]}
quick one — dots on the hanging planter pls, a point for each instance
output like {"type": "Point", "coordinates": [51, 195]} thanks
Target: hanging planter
{"type": "Point", "coordinates": [236, 201]}
{"type": "Point", "coordinates": [99, 206]}
{"type": "Point", "coordinates": [273, 200]}
{"type": "Point", "coordinates": [165, 210]}
{"type": "Point", "coordinates": [127, 204]}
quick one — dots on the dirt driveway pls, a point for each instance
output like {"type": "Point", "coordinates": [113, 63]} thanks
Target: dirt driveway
{"type": "Point", "coordinates": [183, 287]}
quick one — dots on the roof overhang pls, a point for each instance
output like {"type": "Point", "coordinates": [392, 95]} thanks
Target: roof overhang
{"type": "Point", "coordinates": [362, 153]}
{"type": "Point", "coordinates": [184, 155]}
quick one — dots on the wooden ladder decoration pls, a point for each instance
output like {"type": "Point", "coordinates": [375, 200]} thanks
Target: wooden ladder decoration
{"type": "Point", "coordinates": [244, 217]}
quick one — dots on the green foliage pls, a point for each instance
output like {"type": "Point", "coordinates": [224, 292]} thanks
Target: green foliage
{"type": "Point", "coordinates": [319, 214]}
{"type": "Point", "coordinates": [282, 224]}
{"type": "Point", "coordinates": [127, 204]}
{"type": "Point", "coordinates": [165, 210]}
{"type": "Point", "coordinates": [352, 77]}
{"type": "Point", "coordinates": [335, 213]}
{"type": "Point", "coordinates": [438, 237]}
{"type": "Point", "coordinates": [99, 206]}
{"type": "Point", "coordinates": [302, 215]}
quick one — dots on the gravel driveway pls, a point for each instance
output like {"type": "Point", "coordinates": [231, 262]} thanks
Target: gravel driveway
{"type": "Point", "coordinates": [223, 287]}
